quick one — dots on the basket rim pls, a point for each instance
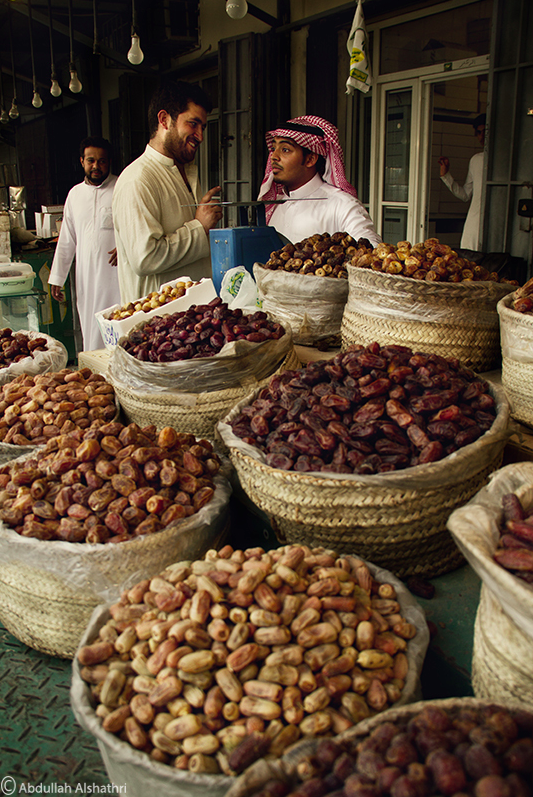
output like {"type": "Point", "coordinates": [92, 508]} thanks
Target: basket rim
{"type": "Point", "coordinates": [507, 313]}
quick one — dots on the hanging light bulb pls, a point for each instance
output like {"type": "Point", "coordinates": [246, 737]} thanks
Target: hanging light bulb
{"type": "Point", "coordinates": [4, 117]}
{"type": "Point", "coordinates": [236, 9]}
{"type": "Point", "coordinates": [36, 101]}
{"type": "Point", "coordinates": [135, 54]}
{"type": "Point", "coordinates": [75, 83]}
{"type": "Point", "coordinates": [14, 111]}
{"type": "Point", "coordinates": [55, 88]}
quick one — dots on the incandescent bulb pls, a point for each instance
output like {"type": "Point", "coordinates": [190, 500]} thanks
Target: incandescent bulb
{"type": "Point", "coordinates": [36, 101]}
{"type": "Point", "coordinates": [4, 118]}
{"type": "Point", "coordinates": [55, 89]}
{"type": "Point", "coordinates": [75, 84]}
{"type": "Point", "coordinates": [135, 54]}
{"type": "Point", "coordinates": [14, 111]}
{"type": "Point", "coordinates": [236, 9]}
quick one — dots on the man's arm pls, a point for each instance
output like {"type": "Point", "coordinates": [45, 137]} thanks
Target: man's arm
{"type": "Point", "coordinates": [64, 254]}
{"type": "Point", "coordinates": [354, 219]}
{"type": "Point", "coordinates": [140, 235]}
{"type": "Point", "coordinates": [462, 192]}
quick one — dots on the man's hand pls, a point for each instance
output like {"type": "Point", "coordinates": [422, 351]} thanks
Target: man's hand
{"type": "Point", "coordinates": [444, 165]}
{"type": "Point", "coordinates": [57, 293]}
{"type": "Point", "coordinates": [208, 212]}
{"type": "Point", "coordinates": [113, 257]}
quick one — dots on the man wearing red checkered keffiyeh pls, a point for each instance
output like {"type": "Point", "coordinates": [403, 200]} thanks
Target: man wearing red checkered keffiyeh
{"type": "Point", "coordinates": [306, 162]}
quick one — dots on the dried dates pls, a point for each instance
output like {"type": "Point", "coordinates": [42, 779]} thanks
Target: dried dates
{"type": "Point", "coordinates": [319, 255]}
{"type": "Point", "coordinates": [153, 301]}
{"type": "Point", "coordinates": [198, 332]}
{"type": "Point", "coordinates": [109, 483]}
{"type": "Point", "coordinates": [515, 546]}
{"type": "Point", "coordinates": [14, 346]}
{"type": "Point", "coordinates": [367, 410]}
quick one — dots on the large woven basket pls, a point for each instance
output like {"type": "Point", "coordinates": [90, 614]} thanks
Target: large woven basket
{"type": "Point", "coordinates": [396, 520]}
{"type": "Point", "coordinates": [502, 655]}
{"type": "Point", "coordinates": [517, 359]}
{"type": "Point", "coordinates": [196, 413]}
{"type": "Point", "coordinates": [49, 589]}
{"type": "Point", "coordinates": [451, 319]}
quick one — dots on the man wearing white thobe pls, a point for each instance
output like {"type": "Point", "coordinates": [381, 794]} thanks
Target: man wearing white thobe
{"type": "Point", "coordinates": [87, 234]}
{"type": "Point", "coordinates": [161, 219]}
{"type": "Point", "coordinates": [471, 191]}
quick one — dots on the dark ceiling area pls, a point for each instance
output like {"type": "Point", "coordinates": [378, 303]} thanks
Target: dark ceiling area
{"type": "Point", "coordinates": [85, 30]}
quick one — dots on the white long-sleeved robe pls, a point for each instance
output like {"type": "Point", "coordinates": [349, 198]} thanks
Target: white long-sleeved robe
{"type": "Point", "coordinates": [87, 234]}
{"type": "Point", "coordinates": [471, 190]}
{"type": "Point", "coordinates": [337, 212]}
{"type": "Point", "coordinates": [158, 239]}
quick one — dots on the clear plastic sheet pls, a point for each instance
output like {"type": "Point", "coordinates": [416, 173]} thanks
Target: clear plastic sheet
{"type": "Point", "coordinates": [311, 306]}
{"type": "Point", "coordinates": [516, 332]}
{"type": "Point", "coordinates": [55, 358]}
{"type": "Point", "coordinates": [238, 364]}
{"type": "Point", "coordinates": [475, 529]}
{"type": "Point", "coordinates": [406, 299]}
{"type": "Point", "coordinates": [434, 475]}
{"type": "Point", "coordinates": [102, 570]}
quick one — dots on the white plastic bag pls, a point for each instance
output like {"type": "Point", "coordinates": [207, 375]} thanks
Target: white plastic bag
{"type": "Point", "coordinates": [239, 290]}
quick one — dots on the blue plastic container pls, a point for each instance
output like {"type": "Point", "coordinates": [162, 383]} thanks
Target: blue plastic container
{"type": "Point", "coordinates": [240, 246]}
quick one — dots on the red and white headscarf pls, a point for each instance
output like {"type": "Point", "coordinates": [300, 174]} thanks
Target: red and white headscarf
{"type": "Point", "coordinates": [316, 135]}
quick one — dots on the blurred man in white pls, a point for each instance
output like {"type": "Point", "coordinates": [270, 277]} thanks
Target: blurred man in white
{"type": "Point", "coordinates": [87, 234]}
{"type": "Point", "coordinates": [471, 190]}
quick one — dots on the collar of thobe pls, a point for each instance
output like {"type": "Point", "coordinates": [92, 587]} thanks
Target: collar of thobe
{"type": "Point", "coordinates": [306, 190]}
{"type": "Point", "coordinates": [190, 168]}
{"type": "Point", "coordinates": [102, 185]}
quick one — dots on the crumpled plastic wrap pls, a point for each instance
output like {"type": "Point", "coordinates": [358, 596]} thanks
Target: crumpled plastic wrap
{"type": "Point", "coordinates": [145, 777]}
{"type": "Point", "coordinates": [475, 529]}
{"type": "Point", "coordinates": [448, 471]}
{"type": "Point", "coordinates": [124, 764]}
{"type": "Point", "coordinates": [55, 358]}
{"type": "Point", "coordinates": [102, 570]}
{"type": "Point", "coordinates": [238, 364]}
{"type": "Point", "coordinates": [405, 299]}
{"type": "Point", "coordinates": [516, 332]}
{"type": "Point", "coordinates": [311, 306]}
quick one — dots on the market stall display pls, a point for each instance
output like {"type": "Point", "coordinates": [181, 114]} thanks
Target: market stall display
{"type": "Point", "coordinates": [202, 380]}
{"type": "Point", "coordinates": [503, 636]}
{"type": "Point", "coordinates": [313, 306]}
{"type": "Point", "coordinates": [343, 492]}
{"type": "Point", "coordinates": [448, 314]}
{"type": "Point", "coordinates": [248, 652]}
{"type": "Point", "coordinates": [449, 747]}
{"type": "Point", "coordinates": [516, 331]}
{"type": "Point", "coordinates": [89, 511]}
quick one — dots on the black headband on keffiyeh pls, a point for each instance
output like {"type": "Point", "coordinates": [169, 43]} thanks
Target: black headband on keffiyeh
{"type": "Point", "coordinates": [318, 136]}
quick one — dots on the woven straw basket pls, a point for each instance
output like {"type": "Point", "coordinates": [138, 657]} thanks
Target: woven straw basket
{"type": "Point", "coordinates": [451, 319]}
{"type": "Point", "coordinates": [502, 655]}
{"type": "Point", "coordinates": [396, 520]}
{"type": "Point", "coordinates": [517, 359]}
{"type": "Point", "coordinates": [286, 768]}
{"type": "Point", "coordinates": [195, 413]}
{"type": "Point", "coordinates": [49, 589]}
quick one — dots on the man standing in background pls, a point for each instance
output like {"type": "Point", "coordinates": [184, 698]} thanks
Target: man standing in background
{"type": "Point", "coordinates": [471, 190]}
{"type": "Point", "coordinates": [87, 234]}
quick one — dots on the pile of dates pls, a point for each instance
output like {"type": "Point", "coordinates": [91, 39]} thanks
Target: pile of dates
{"type": "Point", "coordinates": [523, 298]}
{"type": "Point", "coordinates": [14, 346]}
{"type": "Point", "coordinates": [430, 260]}
{"type": "Point", "coordinates": [319, 255]}
{"type": "Point", "coordinates": [201, 331]}
{"type": "Point", "coordinates": [34, 409]}
{"type": "Point", "coordinates": [221, 661]}
{"type": "Point", "coordinates": [367, 410]}
{"type": "Point", "coordinates": [470, 751]}
{"type": "Point", "coordinates": [154, 300]}
{"type": "Point", "coordinates": [515, 546]}
{"type": "Point", "coordinates": [109, 483]}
